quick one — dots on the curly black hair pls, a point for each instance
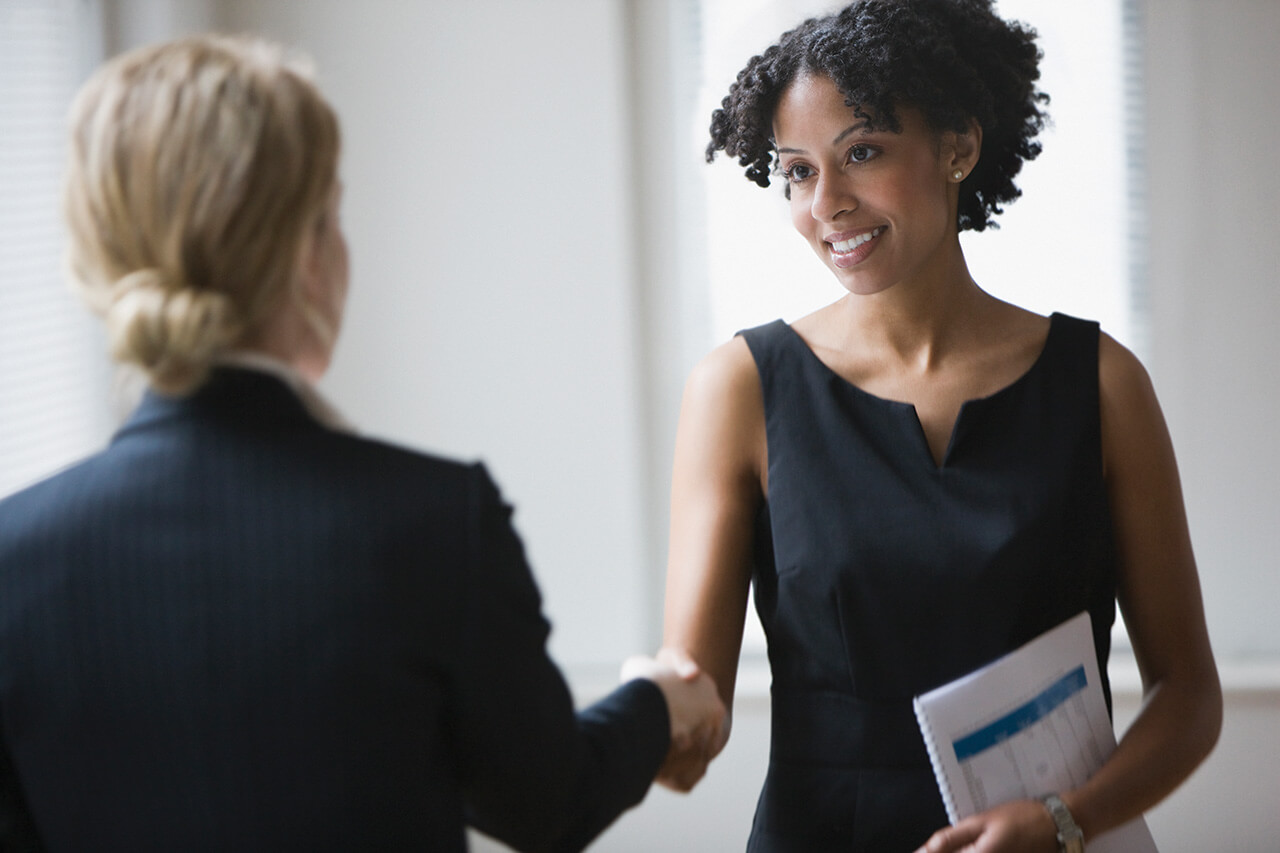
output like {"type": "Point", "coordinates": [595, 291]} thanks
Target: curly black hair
{"type": "Point", "coordinates": [954, 60]}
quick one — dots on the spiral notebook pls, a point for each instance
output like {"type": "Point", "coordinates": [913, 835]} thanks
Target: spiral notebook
{"type": "Point", "coordinates": [1032, 723]}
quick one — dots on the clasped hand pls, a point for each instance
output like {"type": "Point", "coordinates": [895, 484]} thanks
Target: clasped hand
{"type": "Point", "coordinates": [1020, 826]}
{"type": "Point", "coordinates": [698, 716]}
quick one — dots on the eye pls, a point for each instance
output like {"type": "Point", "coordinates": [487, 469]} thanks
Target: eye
{"type": "Point", "coordinates": [797, 173]}
{"type": "Point", "coordinates": [861, 153]}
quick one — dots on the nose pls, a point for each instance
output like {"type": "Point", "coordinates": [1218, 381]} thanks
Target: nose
{"type": "Point", "coordinates": [833, 196]}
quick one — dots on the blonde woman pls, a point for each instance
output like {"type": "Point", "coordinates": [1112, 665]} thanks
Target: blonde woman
{"type": "Point", "coordinates": [241, 627]}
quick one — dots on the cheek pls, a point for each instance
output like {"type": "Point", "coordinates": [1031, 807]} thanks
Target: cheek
{"type": "Point", "coordinates": [342, 274]}
{"type": "Point", "coordinates": [344, 255]}
{"type": "Point", "coordinates": [336, 255]}
{"type": "Point", "coordinates": [925, 198]}
{"type": "Point", "coordinates": [801, 215]}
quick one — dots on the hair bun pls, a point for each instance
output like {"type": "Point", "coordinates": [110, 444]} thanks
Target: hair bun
{"type": "Point", "coordinates": [172, 331]}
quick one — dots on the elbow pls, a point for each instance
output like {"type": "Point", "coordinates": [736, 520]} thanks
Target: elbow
{"type": "Point", "coordinates": [1204, 713]}
{"type": "Point", "coordinates": [1212, 712]}
{"type": "Point", "coordinates": [1192, 704]}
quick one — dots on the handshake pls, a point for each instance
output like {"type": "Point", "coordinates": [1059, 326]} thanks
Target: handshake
{"type": "Point", "coordinates": [699, 720]}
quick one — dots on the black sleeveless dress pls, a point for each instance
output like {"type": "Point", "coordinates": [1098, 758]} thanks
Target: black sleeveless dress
{"type": "Point", "coordinates": [881, 574]}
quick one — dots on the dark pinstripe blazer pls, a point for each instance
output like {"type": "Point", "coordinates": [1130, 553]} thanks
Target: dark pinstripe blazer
{"type": "Point", "coordinates": [235, 629]}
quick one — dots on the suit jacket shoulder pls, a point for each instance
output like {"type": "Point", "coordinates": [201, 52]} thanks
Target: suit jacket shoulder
{"type": "Point", "coordinates": [237, 629]}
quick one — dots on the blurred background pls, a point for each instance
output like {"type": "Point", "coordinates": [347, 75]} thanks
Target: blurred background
{"type": "Point", "coordinates": [540, 255]}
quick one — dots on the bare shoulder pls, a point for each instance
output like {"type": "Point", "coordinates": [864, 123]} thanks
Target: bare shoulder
{"type": "Point", "coordinates": [1123, 382]}
{"type": "Point", "coordinates": [726, 378]}
{"type": "Point", "coordinates": [722, 415]}
{"type": "Point", "coordinates": [1117, 362]}
{"type": "Point", "coordinates": [1135, 437]}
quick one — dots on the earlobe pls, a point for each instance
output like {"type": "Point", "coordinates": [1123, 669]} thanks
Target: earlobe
{"type": "Point", "coordinates": [964, 149]}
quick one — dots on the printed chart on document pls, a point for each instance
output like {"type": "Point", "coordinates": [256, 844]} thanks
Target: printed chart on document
{"type": "Point", "coordinates": [1032, 723]}
{"type": "Point", "coordinates": [1045, 744]}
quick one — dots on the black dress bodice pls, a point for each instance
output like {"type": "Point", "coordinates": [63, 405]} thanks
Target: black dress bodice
{"type": "Point", "coordinates": [881, 574]}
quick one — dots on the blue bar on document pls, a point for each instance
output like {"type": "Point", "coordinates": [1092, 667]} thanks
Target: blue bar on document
{"type": "Point", "coordinates": [1022, 717]}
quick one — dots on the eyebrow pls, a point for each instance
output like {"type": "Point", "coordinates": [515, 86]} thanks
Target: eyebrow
{"type": "Point", "coordinates": [862, 125]}
{"type": "Point", "coordinates": [844, 134]}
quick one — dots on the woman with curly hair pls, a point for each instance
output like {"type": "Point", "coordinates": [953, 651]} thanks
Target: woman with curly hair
{"type": "Point", "coordinates": [920, 477]}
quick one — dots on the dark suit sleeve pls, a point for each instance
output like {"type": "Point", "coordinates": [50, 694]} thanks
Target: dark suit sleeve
{"type": "Point", "coordinates": [535, 774]}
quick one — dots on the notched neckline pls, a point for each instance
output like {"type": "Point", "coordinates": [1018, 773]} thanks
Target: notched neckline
{"type": "Point", "coordinates": [909, 409]}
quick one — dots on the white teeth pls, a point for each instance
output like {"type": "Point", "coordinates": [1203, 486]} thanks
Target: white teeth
{"type": "Point", "coordinates": [849, 245]}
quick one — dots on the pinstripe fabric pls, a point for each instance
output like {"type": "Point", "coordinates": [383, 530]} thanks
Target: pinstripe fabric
{"type": "Point", "coordinates": [237, 629]}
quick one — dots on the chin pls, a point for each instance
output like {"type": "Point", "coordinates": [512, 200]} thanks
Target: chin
{"type": "Point", "coordinates": [862, 285]}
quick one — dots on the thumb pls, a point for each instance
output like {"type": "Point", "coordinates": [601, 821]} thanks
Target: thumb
{"type": "Point", "coordinates": [678, 659]}
{"type": "Point", "coordinates": [639, 666]}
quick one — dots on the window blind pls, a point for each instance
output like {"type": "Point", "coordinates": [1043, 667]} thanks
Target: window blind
{"type": "Point", "coordinates": [53, 375]}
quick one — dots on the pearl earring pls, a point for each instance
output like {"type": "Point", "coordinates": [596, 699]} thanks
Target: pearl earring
{"type": "Point", "coordinates": [958, 174]}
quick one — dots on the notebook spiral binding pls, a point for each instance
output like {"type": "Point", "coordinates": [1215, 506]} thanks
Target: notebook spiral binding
{"type": "Point", "coordinates": [939, 773]}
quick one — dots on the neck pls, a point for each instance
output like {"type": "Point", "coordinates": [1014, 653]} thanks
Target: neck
{"type": "Point", "coordinates": [311, 366]}
{"type": "Point", "coordinates": [920, 319]}
{"type": "Point", "coordinates": [289, 339]}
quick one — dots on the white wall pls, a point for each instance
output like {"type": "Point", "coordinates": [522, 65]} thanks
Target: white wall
{"type": "Point", "coordinates": [1214, 290]}
{"type": "Point", "coordinates": [488, 208]}
{"type": "Point", "coordinates": [512, 299]}
{"type": "Point", "coordinates": [130, 23]}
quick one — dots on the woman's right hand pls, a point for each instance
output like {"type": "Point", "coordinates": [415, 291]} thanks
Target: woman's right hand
{"type": "Point", "coordinates": [684, 768]}
{"type": "Point", "coordinates": [698, 717]}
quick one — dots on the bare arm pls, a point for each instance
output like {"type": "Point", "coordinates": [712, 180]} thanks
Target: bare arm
{"type": "Point", "coordinates": [1159, 594]}
{"type": "Point", "coordinates": [715, 495]}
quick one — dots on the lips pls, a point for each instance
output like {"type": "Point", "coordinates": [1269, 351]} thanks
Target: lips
{"type": "Point", "coordinates": [852, 249]}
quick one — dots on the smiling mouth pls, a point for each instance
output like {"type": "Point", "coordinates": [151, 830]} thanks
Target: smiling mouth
{"type": "Point", "coordinates": [844, 247]}
{"type": "Point", "coordinates": [846, 253]}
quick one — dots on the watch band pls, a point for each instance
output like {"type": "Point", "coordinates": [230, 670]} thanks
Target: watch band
{"type": "Point", "coordinates": [1070, 838]}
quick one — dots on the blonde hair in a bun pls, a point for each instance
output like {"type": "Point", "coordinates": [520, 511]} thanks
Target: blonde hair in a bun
{"type": "Point", "coordinates": [198, 171]}
{"type": "Point", "coordinates": [173, 333]}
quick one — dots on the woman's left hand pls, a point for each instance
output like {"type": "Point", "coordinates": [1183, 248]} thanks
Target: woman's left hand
{"type": "Point", "coordinates": [1021, 826]}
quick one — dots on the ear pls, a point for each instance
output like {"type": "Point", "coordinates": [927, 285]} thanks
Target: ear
{"type": "Point", "coordinates": [960, 151]}
{"type": "Point", "coordinates": [313, 276]}
{"type": "Point", "coordinates": [308, 264]}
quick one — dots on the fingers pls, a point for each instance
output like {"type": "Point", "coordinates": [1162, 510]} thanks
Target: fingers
{"type": "Point", "coordinates": [709, 732]}
{"type": "Point", "coordinates": [695, 707]}
{"type": "Point", "coordinates": [684, 767]}
{"type": "Point", "coordinates": [683, 782]}
{"type": "Point", "coordinates": [1018, 825]}
{"type": "Point", "coordinates": [697, 713]}
{"type": "Point", "coordinates": [951, 838]}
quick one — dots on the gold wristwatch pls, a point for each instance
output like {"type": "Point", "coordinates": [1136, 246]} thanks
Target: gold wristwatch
{"type": "Point", "coordinates": [1070, 838]}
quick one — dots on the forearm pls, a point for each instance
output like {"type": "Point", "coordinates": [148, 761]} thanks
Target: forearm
{"type": "Point", "coordinates": [625, 737]}
{"type": "Point", "coordinates": [534, 773]}
{"type": "Point", "coordinates": [1174, 731]}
